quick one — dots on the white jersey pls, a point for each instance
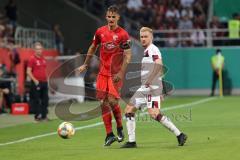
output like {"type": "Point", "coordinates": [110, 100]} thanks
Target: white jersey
{"type": "Point", "coordinates": [151, 53]}
{"type": "Point", "coordinates": [148, 96]}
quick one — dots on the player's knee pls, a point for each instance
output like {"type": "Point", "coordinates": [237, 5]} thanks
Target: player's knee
{"type": "Point", "coordinates": [104, 103]}
{"type": "Point", "coordinates": [157, 117]}
{"type": "Point", "coordinates": [129, 109]}
{"type": "Point", "coordinates": [112, 101]}
{"type": "Point", "coordinates": [154, 114]}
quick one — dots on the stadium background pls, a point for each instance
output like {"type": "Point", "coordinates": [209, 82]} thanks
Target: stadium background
{"type": "Point", "coordinates": [191, 62]}
{"type": "Point", "coordinates": [212, 123]}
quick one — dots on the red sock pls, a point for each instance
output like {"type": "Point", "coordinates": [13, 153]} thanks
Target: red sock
{"type": "Point", "coordinates": [117, 115]}
{"type": "Point", "coordinates": [107, 118]}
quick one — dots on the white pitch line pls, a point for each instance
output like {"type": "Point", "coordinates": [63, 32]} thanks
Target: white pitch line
{"type": "Point", "coordinates": [48, 134]}
{"type": "Point", "coordinates": [184, 105]}
{"type": "Point", "coordinates": [100, 123]}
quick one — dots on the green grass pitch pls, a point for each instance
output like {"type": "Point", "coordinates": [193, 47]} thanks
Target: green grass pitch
{"type": "Point", "coordinates": [213, 130]}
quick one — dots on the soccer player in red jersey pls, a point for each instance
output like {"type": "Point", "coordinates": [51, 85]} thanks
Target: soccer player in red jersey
{"type": "Point", "coordinates": [115, 54]}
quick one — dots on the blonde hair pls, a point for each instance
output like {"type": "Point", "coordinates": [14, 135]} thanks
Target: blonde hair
{"type": "Point", "coordinates": [37, 44]}
{"type": "Point", "coordinates": [146, 29]}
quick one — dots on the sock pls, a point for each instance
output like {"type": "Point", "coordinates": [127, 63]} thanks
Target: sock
{"type": "Point", "coordinates": [117, 115]}
{"type": "Point", "coordinates": [166, 122]}
{"type": "Point", "coordinates": [107, 119]}
{"type": "Point", "coordinates": [131, 125]}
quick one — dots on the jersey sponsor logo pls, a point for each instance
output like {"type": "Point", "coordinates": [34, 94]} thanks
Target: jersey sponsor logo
{"type": "Point", "coordinates": [110, 46]}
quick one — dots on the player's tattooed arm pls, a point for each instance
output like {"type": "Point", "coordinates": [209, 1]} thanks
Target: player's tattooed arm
{"type": "Point", "coordinates": [126, 61]}
{"type": "Point", "coordinates": [156, 73]}
{"type": "Point", "coordinates": [91, 51]}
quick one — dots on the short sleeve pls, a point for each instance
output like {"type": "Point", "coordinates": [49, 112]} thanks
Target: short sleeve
{"type": "Point", "coordinates": [125, 42]}
{"type": "Point", "coordinates": [125, 37]}
{"type": "Point", "coordinates": [96, 38]}
{"type": "Point", "coordinates": [156, 54]}
{"type": "Point", "coordinates": [30, 63]}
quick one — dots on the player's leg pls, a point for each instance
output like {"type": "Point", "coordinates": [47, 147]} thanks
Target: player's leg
{"type": "Point", "coordinates": [35, 101]}
{"type": "Point", "coordinates": [116, 109]}
{"type": "Point", "coordinates": [107, 120]}
{"type": "Point", "coordinates": [101, 94]}
{"type": "Point", "coordinates": [214, 82]}
{"type": "Point", "coordinates": [135, 103]}
{"type": "Point", "coordinates": [113, 98]}
{"type": "Point", "coordinates": [154, 112]}
{"type": "Point", "coordinates": [44, 99]}
{"type": "Point", "coordinates": [131, 126]}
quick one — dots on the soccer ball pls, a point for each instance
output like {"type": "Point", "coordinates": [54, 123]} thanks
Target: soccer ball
{"type": "Point", "coordinates": [66, 130]}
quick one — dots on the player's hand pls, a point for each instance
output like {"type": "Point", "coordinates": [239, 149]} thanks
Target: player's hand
{"type": "Point", "coordinates": [36, 82]}
{"type": "Point", "coordinates": [6, 91]}
{"type": "Point", "coordinates": [82, 68]}
{"type": "Point", "coordinates": [117, 77]}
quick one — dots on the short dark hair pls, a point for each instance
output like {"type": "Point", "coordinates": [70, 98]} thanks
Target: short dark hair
{"type": "Point", "coordinates": [218, 51]}
{"type": "Point", "coordinates": [234, 15]}
{"type": "Point", "coordinates": [113, 8]}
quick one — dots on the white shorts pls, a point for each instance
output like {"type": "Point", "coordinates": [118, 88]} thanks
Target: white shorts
{"type": "Point", "coordinates": [146, 97]}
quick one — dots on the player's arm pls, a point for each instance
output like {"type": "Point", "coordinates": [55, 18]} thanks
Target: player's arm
{"type": "Point", "coordinates": [29, 73]}
{"type": "Point", "coordinates": [126, 61]}
{"type": "Point", "coordinates": [91, 51]}
{"type": "Point", "coordinates": [156, 73]}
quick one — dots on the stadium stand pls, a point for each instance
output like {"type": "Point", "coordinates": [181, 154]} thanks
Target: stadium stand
{"type": "Point", "coordinates": [177, 23]}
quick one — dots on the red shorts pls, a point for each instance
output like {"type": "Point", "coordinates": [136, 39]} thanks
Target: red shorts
{"type": "Point", "coordinates": [106, 87]}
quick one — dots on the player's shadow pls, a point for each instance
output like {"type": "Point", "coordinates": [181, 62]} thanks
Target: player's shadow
{"type": "Point", "coordinates": [148, 145]}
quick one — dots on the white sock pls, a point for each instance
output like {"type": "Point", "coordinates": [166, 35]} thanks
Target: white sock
{"type": "Point", "coordinates": [169, 125]}
{"type": "Point", "coordinates": [131, 125]}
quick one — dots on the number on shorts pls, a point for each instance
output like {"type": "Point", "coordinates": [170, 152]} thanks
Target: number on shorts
{"type": "Point", "coordinates": [149, 98]}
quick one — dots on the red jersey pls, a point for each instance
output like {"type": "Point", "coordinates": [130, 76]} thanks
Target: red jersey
{"type": "Point", "coordinates": [38, 66]}
{"type": "Point", "coordinates": [111, 55]}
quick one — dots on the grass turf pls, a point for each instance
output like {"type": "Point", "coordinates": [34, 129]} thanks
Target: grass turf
{"type": "Point", "coordinates": [212, 127]}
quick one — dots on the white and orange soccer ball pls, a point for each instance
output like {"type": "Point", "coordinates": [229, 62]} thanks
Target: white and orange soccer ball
{"type": "Point", "coordinates": [66, 130]}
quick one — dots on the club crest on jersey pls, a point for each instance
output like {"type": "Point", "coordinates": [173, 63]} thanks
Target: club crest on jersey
{"type": "Point", "coordinates": [146, 54]}
{"type": "Point", "coordinates": [38, 63]}
{"type": "Point", "coordinates": [115, 37]}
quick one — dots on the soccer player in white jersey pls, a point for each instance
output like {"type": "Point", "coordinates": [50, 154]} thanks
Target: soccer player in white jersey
{"type": "Point", "coordinates": [149, 94]}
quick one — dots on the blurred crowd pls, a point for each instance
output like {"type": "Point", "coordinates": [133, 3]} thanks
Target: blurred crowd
{"type": "Point", "coordinates": [171, 15]}
{"type": "Point", "coordinates": [157, 14]}
{"type": "Point", "coordinates": [166, 16]}
{"type": "Point", "coordinates": [8, 23]}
